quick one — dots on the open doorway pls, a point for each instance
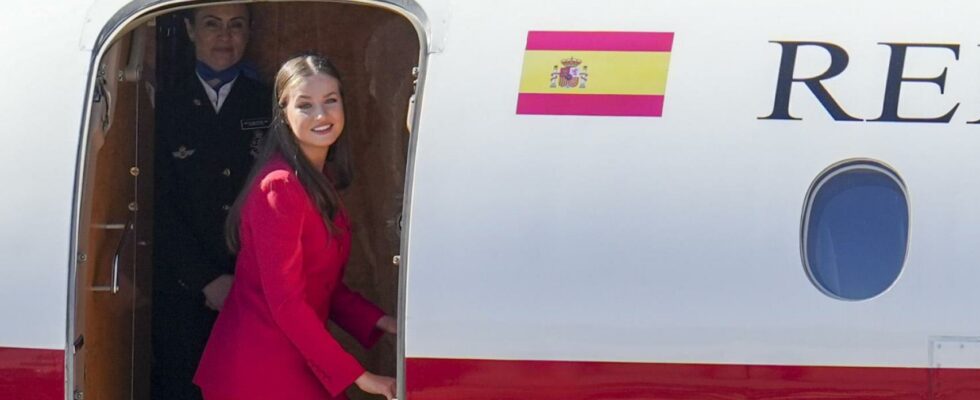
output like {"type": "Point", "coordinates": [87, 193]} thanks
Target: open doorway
{"type": "Point", "coordinates": [376, 49]}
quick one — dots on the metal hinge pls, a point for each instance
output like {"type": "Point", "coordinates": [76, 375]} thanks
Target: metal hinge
{"type": "Point", "coordinates": [410, 117]}
{"type": "Point", "coordinates": [78, 343]}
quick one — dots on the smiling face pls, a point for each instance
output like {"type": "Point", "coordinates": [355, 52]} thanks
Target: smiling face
{"type": "Point", "coordinates": [314, 111]}
{"type": "Point", "coordinates": [220, 34]}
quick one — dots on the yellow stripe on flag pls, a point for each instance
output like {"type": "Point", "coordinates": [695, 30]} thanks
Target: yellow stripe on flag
{"type": "Point", "coordinates": [609, 72]}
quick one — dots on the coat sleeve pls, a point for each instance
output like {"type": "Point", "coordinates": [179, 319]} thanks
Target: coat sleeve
{"type": "Point", "coordinates": [275, 221]}
{"type": "Point", "coordinates": [356, 315]}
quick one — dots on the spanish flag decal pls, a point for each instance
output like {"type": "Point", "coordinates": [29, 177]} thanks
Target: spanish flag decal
{"type": "Point", "coordinates": [595, 73]}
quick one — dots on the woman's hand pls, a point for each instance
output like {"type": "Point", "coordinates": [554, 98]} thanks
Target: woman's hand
{"type": "Point", "coordinates": [376, 384]}
{"type": "Point", "coordinates": [216, 292]}
{"type": "Point", "coordinates": [388, 324]}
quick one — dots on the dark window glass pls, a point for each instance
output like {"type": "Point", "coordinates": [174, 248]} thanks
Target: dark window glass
{"type": "Point", "coordinates": [855, 230]}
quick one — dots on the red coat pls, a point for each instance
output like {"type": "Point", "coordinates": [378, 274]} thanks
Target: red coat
{"type": "Point", "coordinates": [270, 340]}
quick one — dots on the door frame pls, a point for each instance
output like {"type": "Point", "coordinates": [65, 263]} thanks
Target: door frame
{"type": "Point", "coordinates": [138, 12]}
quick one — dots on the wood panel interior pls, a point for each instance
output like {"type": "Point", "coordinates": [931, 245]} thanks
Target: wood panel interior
{"type": "Point", "coordinates": [142, 350]}
{"type": "Point", "coordinates": [105, 318]}
{"type": "Point", "coordinates": [112, 361]}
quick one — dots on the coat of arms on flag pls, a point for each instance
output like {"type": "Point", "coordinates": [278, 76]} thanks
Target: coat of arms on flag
{"type": "Point", "coordinates": [570, 75]}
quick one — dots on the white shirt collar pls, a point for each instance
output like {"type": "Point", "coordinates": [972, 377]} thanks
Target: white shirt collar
{"type": "Point", "coordinates": [217, 97]}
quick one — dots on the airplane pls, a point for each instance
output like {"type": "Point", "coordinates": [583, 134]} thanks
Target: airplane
{"type": "Point", "coordinates": [558, 199]}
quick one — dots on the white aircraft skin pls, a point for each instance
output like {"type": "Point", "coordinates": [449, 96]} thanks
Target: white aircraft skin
{"type": "Point", "coordinates": [692, 219]}
{"type": "Point", "coordinates": [46, 74]}
{"type": "Point", "coordinates": [599, 240]}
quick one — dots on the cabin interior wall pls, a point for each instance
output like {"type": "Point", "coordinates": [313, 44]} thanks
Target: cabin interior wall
{"type": "Point", "coordinates": [102, 317]}
{"type": "Point", "coordinates": [114, 356]}
{"type": "Point", "coordinates": [375, 51]}
{"type": "Point", "coordinates": [143, 351]}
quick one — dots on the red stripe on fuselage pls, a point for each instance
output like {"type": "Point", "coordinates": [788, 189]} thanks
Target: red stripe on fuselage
{"type": "Point", "coordinates": [32, 374]}
{"type": "Point", "coordinates": [600, 41]}
{"type": "Point", "coordinates": [612, 105]}
{"type": "Point", "coordinates": [445, 379]}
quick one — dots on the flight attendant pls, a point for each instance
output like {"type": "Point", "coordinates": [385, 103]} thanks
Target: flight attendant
{"type": "Point", "coordinates": [292, 237]}
{"type": "Point", "coordinates": [209, 130]}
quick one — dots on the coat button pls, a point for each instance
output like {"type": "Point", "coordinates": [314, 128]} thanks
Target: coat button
{"type": "Point", "coordinates": [226, 207]}
{"type": "Point", "coordinates": [226, 172]}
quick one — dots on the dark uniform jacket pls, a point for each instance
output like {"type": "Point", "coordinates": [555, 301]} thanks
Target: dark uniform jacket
{"type": "Point", "coordinates": [202, 161]}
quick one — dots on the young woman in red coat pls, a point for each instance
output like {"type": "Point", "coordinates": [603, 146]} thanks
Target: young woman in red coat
{"type": "Point", "coordinates": [292, 237]}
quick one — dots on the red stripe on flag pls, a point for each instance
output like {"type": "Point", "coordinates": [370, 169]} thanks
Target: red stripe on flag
{"type": "Point", "coordinates": [600, 41]}
{"type": "Point", "coordinates": [618, 105]}
{"type": "Point", "coordinates": [451, 379]}
{"type": "Point", "coordinates": [32, 374]}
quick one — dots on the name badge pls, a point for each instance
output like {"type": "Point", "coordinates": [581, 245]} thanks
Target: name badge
{"type": "Point", "coordinates": [255, 123]}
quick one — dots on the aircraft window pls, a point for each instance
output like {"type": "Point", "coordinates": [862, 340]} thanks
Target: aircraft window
{"type": "Point", "coordinates": [855, 230]}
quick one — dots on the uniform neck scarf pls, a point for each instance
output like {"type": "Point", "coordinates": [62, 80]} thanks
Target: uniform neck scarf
{"type": "Point", "coordinates": [217, 79]}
